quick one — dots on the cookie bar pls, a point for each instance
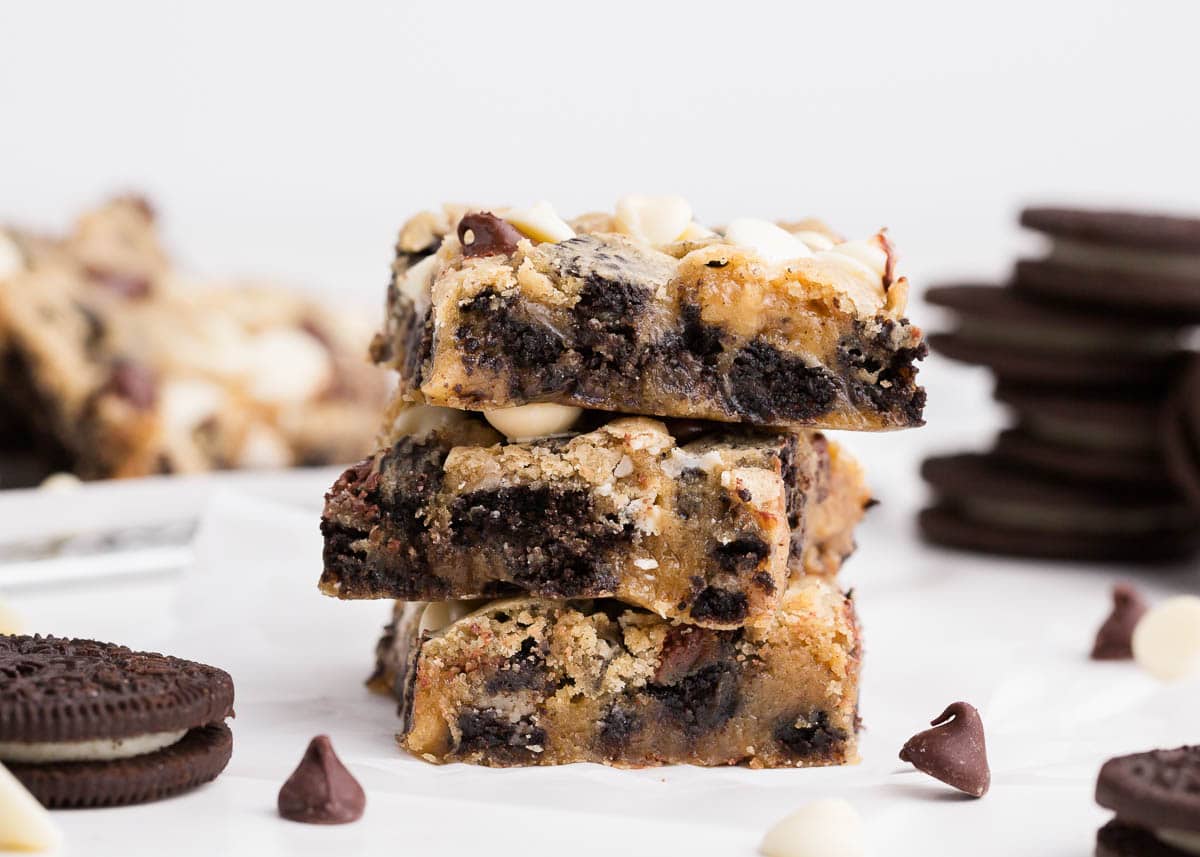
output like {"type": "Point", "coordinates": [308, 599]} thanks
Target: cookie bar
{"type": "Point", "coordinates": [646, 312]}
{"type": "Point", "coordinates": [528, 681]}
{"type": "Point", "coordinates": [707, 531]}
{"type": "Point", "coordinates": [120, 367]}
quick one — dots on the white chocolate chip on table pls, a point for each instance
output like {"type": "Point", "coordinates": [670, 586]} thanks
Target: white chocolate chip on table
{"type": "Point", "coordinates": [528, 422]}
{"type": "Point", "coordinates": [1166, 641]}
{"type": "Point", "coordinates": [10, 620]}
{"type": "Point", "coordinates": [25, 825]}
{"type": "Point", "coordinates": [823, 828]}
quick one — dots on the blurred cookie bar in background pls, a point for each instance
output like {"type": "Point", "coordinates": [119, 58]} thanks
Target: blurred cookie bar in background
{"type": "Point", "coordinates": [115, 365]}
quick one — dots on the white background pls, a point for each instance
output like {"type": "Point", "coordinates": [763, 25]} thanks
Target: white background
{"type": "Point", "coordinates": [292, 140]}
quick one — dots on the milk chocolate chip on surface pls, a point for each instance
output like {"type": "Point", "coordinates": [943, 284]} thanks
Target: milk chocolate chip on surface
{"type": "Point", "coordinates": [953, 751]}
{"type": "Point", "coordinates": [321, 790]}
{"type": "Point", "coordinates": [1114, 640]}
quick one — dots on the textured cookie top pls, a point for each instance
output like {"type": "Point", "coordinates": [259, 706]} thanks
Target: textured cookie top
{"type": "Point", "coordinates": [656, 241]}
{"type": "Point", "coordinates": [1158, 789]}
{"type": "Point", "coordinates": [1119, 228]}
{"type": "Point", "coordinates": [54, 689]}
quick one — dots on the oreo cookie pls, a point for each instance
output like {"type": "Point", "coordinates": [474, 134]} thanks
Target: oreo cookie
{"type": "Point", "coordinates": [1026, 342]}
{"type": "Point", "coordinates": [1181, 433]}
{"type": "Point", "coordinates": [1089, 436]}
{"type": "Point", "coordinates": [86, 724]}
{"type": "Point", "coordinates": [1156, 798]}
{"type": "Point", "coordinates": [1146, 265]}
{"type": "Point", "coordinates": [985, 504]}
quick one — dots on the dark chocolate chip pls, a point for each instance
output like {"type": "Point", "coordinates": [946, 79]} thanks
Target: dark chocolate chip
{"type": "Point", "coordinates": [488, 235]}
{"type": "Point", "coordinates": [954, 751]}
{"type": "Point", "coordinates": [1114, 640]}
{"type": "Point", "coordinates": [124, 284]}
{"type": "Point", "coordinates": [321, 790]}
{"type": "Point", "coordinates": [134, 382]}
{"type": "Point", "coordinates": [809, 735]}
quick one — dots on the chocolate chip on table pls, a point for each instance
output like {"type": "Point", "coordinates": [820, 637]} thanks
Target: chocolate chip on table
{"type": "Point", "coordinates": [953, 751]}
{"type": "Point", "coordinates": [134, 382]}
{"type": "Point", "coordinates": [484, 234]}
{"type": "Point", "coordinates": [321, 790]}
{"type": "Point", "coordinates": [1114, 640]}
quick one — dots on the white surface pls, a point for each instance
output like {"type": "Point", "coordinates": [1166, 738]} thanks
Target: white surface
{"type": "Point", "coordinates": [293, 138]}
{"type": "Point", "coordinates": [1011, 638]}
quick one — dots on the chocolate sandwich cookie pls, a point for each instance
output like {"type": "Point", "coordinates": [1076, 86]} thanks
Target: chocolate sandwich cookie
{"type": "Point", "coordinates": [985, 504]}
{"type": "Point", "coordinates": [1027, 342]}
{"type": "Point", "coordinates": [1145, 265]}
{"type": "Point", "coordinates": [87, 724]}
{"type": "Point", "coordinates": [1181, 432]}
{"type": "Point", "coordinates": [1156, 798]}
{"type": "Point", "coordinates": [1094, 436]}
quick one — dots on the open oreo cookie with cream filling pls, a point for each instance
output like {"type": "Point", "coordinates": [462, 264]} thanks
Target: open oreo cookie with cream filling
{"type": "Point", "coordinates": [1027, 342]}
{"type": "Point", "coordinates": [1143, 265]}
{"type": "Point", "coordinates": [1156, 798]}
{"type": "Point", "coordinates": [985, 504]}
{"type": "Point", "coordinates": [89, 724]}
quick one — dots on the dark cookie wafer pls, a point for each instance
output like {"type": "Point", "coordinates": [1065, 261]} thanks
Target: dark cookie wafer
{"type": "Point", "coordinates": [59, 698]}
{"type": "Point", "coordinates": [196, 759]}
{"type": "Point", "coordinates": [1161, 296]}
{"type": "Point", "coordinates": [1116, 839]}
{"type": "Point", "coordinates": [1029, 342]}
{"type": "Point", "coordinates": [1181, 433]}
{"type": "Point", "coordinates": [1030, 450]}
{"type": "Point", "coordinates": [1117, 228]}
{"type": "Point", "coordinates": [58, 689]}
{"type": "Point", "coordinates": [1156, 790]}
{"type": "Point", "coordinates": [985, 504]}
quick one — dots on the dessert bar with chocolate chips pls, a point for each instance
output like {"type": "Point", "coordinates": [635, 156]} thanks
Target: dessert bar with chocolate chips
{"type": "Point", "coordinates": [707, 529]}
{"type": "Point", "coordinates": [528, 681]}
{"type": "Point", "coordinates": [646, 312]}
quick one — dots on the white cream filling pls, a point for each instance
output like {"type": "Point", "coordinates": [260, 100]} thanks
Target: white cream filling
{"type": "Point", "coordinates": [99, 750]}
{"type": "Point", "coordinates": [1184, 840]}
{"type": "Point", "coordinates": [1125, 259]}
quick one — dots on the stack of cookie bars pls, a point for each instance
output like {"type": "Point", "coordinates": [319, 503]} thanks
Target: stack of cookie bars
{"type": "Point", "coordinates": [601, 499]}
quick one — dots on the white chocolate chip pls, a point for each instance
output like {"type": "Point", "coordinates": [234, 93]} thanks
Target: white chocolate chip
{"type": "Point", "coordinates": [527, 422]}
{"type": "Point", "coordinates": [866, 257]}
{"type": "Point", "coordinates": [417, 279]}
{"type": "Point", "coordinates": [263, 448]}
{"type": "Point", "coordinates": [61, 481]}
{"type": "Point", "coordinates": [186, 403]}
{"type": "Point", "coordinates": [624, 467]}
{"type": "Point", "coordinates": [695, 232]}
{"type": "Point", "coordinates": [646, 563]}
{"type": "Point", "coordinates": [823, 828]}
{"type": "Point", "coordinates": [289, 366]}
{"type": "Point", "coordinates": [653, 219]}
{"type": "Point", "coordinates": [12, 259]}
{"type": "Point", "coordinates": [772, 242]}
{"type": "Point", "coordinates": [816, 241]}
{"type": "Point", "coordinates": [539, 222]}
{"type": "Point", "coordinates": [439, 615]}
{"type": "Point", "coordinates": [24, 823]}
{"type": "Point", "coordinates": [1166, 641]}
{"type": "Point", "coordinates": [10, 620]}
{"type": "Point", "coordinates": [417, 421]}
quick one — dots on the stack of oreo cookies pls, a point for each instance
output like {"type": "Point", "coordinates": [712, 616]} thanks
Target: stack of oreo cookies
{"type": "Point", "coordinates": [1086, 345]}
